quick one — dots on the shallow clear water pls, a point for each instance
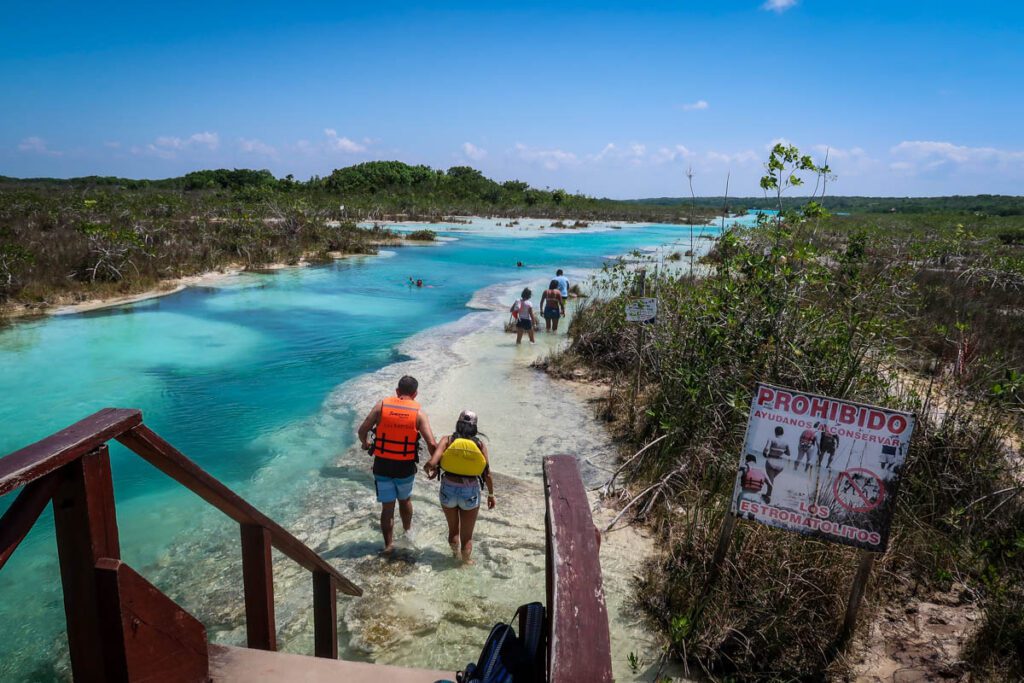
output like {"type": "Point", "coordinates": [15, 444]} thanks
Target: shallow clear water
{"type": "Point", "coordinates": [259, 380]}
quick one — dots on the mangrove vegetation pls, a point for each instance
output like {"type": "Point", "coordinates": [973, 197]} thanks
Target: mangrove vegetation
{"type": "Point", "coordinates": [915, 311]}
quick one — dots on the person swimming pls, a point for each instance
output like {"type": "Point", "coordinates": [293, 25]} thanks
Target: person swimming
{"type": "Point", "coordinates": [462, 462]}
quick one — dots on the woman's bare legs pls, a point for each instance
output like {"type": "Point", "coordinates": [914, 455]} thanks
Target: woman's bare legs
{"type": "Point", "coordinates": [451, 515]}
{"type": "Point", "coordinates": [466, 522]}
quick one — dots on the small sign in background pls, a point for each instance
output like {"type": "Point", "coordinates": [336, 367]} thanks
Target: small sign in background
{"type": "Point", "coordinates": [641, 310]}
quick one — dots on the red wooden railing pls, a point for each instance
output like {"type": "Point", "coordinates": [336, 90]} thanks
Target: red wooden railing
{"type": "Point", "coordinates": [579, 644]}
{"type": "Point", "coordinates": [119, 626]}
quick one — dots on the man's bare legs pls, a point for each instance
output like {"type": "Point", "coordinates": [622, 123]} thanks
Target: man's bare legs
{"type": "Point", "coordinates": [387, 525]}
{"type": "Point", "coordinates": [387, 521]}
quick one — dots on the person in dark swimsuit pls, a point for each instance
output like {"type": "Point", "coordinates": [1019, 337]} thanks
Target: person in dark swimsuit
{"type": "Point", "coordinates": [551, 305]}
{"type": "Point", "coordinates": [774, 450]}
{"type": "Point", "coordinates": [828, 441]}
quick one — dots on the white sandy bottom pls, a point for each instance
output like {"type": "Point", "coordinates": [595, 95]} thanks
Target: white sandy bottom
{"type": "Point", "coordinates": [420, 607]}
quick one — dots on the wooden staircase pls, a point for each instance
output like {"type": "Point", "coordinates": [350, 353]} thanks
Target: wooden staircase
{"type": "Point", "coordinates": [122, 628]}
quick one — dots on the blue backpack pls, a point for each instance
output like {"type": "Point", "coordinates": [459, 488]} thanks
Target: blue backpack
{"type": "Point", "coordinates": [508, 658]}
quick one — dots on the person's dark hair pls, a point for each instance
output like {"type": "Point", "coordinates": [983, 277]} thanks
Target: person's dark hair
{"type": "Point", "coordinates": [407, 386]}
{"type": "Point", "coordinates": [778, 431]}
{"type": "Point", "coordinates": [526, 294]}
{"type": "Point", "coordinates": [751, 458]}
{"type": "Point", "coordinates": [553, 284]}
{"type": "Point", "coordinates": [558, 272]}
{"type": "Point", "coordinates": [466, 426]}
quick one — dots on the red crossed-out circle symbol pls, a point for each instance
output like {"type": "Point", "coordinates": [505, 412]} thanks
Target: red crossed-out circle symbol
{"type": "Point", "coordinates": [858, 489]}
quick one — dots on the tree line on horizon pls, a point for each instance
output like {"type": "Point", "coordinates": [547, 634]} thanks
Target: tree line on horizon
{"type": "Point", "coordinates": [396, 178]}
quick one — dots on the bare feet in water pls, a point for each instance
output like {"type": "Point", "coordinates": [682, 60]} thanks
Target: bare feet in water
{"type": "Point", "coordinates": [456, 551]}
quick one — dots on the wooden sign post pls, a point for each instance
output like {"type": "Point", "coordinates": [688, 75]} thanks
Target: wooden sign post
{"type": "Point", "coordinates": [639, 311]}
{"type": "Point", "coordinates": [824, 468]}
{"type": "Point", "coordinates": [860, 583]}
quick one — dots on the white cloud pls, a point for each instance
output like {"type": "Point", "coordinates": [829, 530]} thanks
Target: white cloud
{"type": "Point", "coordinates": [473, 152]}
{"type": "Point", "coordinates": [922, 149]}
{"type": "Point", "coordinates": [210, 140]}
{"type": "Point", "coordinates": [168, 146]}
{"type": "Point", "coordinates": [608, 150]}
{"type": "Point", "coordinates": [168, 142]}
{"type": "Point", "coordinates": [37, 145]}
{"type": "Point", "coordinates": [342, 144]}
{"type": "Point", "coordinates": [669, 154]}
{"type": "Point", "coordinates": [699, 105]}
{"type": "Point", "coordinates": [551, 159]}
{"type": "Point", "coordinates": [785, 142]}
{"type": "Point", "coordinates": [634, 153]}
{"type": "Point", "coordinates": [256, 147]}
{"type": "Point", "coordinates": [746, 156]}
{"type": "Point", "coordinates": [912, 156]}
{"type": "Point", "coordinates": [778, 6]}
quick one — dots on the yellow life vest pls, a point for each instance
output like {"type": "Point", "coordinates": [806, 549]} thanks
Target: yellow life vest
{"type": "Point", "coordinates": [463, 457]}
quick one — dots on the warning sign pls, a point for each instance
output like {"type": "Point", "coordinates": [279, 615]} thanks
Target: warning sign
{"type": "Point", "coordinates": [822, 467]}
{"type": "Point", "coordinates": [859, 490]}
{"type": "Point", "coordinates": [641, 310]}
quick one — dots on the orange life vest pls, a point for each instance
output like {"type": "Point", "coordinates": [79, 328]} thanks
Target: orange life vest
{"type": "Point", "coordinates": [397, 435]}
{"type": "Point", "coordinates": [752, 479]}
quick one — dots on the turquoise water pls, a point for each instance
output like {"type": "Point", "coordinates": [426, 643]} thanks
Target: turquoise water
{"type": "Point", "coordinates": [229, 374]}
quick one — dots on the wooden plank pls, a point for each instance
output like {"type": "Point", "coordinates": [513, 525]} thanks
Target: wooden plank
{"type": "Point", "coordinates": [21, 467]}
{"type": "Point", "coordinates": [149, 637]}
{"type": "Point", "coordinates": [146, 443]}
{"type": "Point", "coordinates": [258, 580]}
{"type": "Point", "coordinates": [86, 529]}
{"type": "Point", "coordinates": [576, 605]}
{"type": "Point", "coordinates": [23, 513]}
{"type": "Point", "coordinates": [242, 665]}
{"type": "Point", "coordinates": [325, 616]}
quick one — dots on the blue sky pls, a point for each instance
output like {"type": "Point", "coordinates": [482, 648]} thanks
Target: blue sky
{"type": "Point", "coordinates": [609, 98]}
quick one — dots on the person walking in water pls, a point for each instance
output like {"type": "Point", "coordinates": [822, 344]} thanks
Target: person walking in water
{"type": "Point", "coordinates": [774, 449]}
{"type": "Point", "coordinates": [563, 287]}
{"type": "Point", "coordinates": [526, 320]}
{"type": "Point", "coordinates": [463, 463]}
{"type": "Point", "coordinates": [803, 450]}
{"type": "Point", "coordinates": [552, 306]}
{"type": "Point", "coordinates": [398, 424]}
{"type": "Point", "coordinates": [828, 441]}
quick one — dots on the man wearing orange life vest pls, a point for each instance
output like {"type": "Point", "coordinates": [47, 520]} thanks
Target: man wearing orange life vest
{"type": "Point", "coordinates": [398, 423]}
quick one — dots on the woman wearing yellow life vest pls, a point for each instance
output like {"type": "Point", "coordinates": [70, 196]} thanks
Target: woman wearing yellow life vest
{"type": "Point", "coordinates": [462, 461]}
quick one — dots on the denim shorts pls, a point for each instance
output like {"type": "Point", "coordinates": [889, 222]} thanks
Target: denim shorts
{"type": "Point", "coordinates": [462, 496]}
{"type": "Point", "coordinates": [390, 489]}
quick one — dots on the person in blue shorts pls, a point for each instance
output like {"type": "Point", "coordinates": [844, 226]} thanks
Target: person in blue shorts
{"type": "Point", "coordinates": [463, 464]}
{"type": "Point", "coordinates": [398, 423]}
